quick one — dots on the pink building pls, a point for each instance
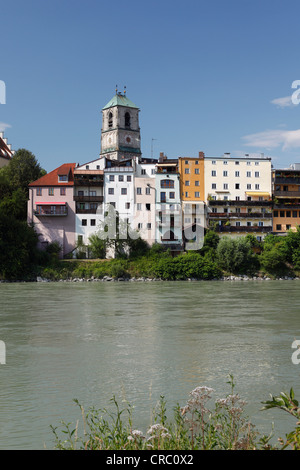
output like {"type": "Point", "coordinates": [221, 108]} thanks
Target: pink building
{"type": "Point", "coordinates": [51, 208]}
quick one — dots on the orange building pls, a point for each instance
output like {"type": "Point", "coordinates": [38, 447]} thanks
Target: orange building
{"type": "Point", "coordinates": [192, 191]}
{"type": "Point", "coordinates": [191, 172]}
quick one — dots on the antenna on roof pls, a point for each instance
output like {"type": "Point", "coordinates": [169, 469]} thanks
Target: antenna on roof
{"type": "Point", "coordinates": [116, 88]}
{"type": "Point", "coordinates": [124, 90]}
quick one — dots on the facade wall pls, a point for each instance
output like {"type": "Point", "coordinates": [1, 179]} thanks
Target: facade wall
{"type": "Point", "coordinates": [144, 217]}
{"type": "Point", "coordinates": [192, 180]}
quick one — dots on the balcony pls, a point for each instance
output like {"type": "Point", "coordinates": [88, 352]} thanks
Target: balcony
{"type": "Point", "coordinates": [88, 198]}
{"type": "Point", "coordinates": [88, 181]}
{"type": "Point", "coordinates": [287, 194]}
{"type": "Point", "coordinates": [240, 203]}
{"type": "Point", "coordinates": [240, 215]}
{"type": "Point", "coordinates": [118, 169]}
{"type": "Point", "coordinates": [287, 179]}
{"type": "Point", "coordinates": [243, 228]}
{"type": "Point", "coordinates": [60, 210]}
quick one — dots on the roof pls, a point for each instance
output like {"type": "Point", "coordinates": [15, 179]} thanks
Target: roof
{"type": "Point", "coordinates": [120, 100]}
{"type": "Point", "coordinates": [5, 150]}
{"type": "Point", "coordinates": [51, 179]}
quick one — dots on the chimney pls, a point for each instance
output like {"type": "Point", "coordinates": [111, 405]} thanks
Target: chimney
{"type": "Point", "coordinates": [201, 155]}
{"type": "Point", "coordinates": [161, 157]}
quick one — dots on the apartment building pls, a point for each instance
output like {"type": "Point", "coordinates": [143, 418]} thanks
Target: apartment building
{"type": "Point", "coordinates": [51, 208]}
{"type": "Point", "coordinates": [286, 193]}
{"type": "Point", "coordinates": [192, 193]}
{"type": "Point", "coordinates": [89, 199]}
{"type": "Point", "coordinates": [239, 195]}
{"type": "Point", "coordinates": [144, 188]}
{"type": "Point", "coordinates": [168, 204]}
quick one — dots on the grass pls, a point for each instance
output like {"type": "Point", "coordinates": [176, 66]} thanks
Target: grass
{"type": "Point", "coordinates": [200, 424]}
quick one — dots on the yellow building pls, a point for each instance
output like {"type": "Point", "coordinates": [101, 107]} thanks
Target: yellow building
{"type": "Point", "coordinates": [286, 191]}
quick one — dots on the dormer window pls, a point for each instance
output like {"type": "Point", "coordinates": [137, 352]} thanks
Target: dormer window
{"type": "Point", "coordinates": [62, 178]}
{"type": "Point", "coordinates": [127, 119]}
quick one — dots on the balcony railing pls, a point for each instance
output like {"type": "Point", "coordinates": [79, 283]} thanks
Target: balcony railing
{"type": "Point", "coordinates": [243, 228]}
{"type": "Point", "coordinates": [287, 194]}
{"type": "Point", "coordinates": [240, 203]}
{"type": "Point", "coordinates": [240, 215]}
{"type": "Point", "coordinates": [51, 211]}
{"type": "Point", "coordinates": [84, 181]}
{"type": "Point", "coordinates": [88, 198]}
{"type": "Point", "coordinates": [116, 169]}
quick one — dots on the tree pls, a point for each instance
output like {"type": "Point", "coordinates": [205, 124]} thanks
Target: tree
{"type": "Point", "coordinates": [22, 169]}
{"type": "Point", "coordinates": [97, 246]}
{"type": "Point", "coordinates": [235, 255]}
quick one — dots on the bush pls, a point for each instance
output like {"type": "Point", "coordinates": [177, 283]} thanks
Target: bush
{"type": "Point", "coordinates": [235, 255]}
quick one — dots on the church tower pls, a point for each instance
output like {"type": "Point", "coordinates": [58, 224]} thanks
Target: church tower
{"type": "Point", "coordinates": [120, 134]}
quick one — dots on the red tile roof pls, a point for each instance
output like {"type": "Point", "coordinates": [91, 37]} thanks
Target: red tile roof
{"type": "Point", "coordinates": [51, 179]}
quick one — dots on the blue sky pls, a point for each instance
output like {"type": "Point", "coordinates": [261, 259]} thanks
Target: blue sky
{"type": "Point", "coordinates": [204, 74]}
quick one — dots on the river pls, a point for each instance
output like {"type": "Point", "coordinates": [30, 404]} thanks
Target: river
{"type": "Point", "coordinates": [139, 340]}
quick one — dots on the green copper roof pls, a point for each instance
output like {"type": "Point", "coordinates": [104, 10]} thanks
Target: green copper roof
{"type": "Point", "coordinates": [120, 100]}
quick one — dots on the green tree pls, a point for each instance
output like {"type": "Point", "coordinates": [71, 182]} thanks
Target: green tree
{"type": "Point", "coordinates": [235, 255]}
{"type": "Point", "coordinates": [97, 246]}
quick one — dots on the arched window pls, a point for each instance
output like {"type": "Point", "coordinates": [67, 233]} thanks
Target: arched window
{"type": "Point", "coordinates": [127, 119]}
{"type": "Point", "coordinates": [110, 120]}
{"type": "Point", "coordinates": [167, 184]}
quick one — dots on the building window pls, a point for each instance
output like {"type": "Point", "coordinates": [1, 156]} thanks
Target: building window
{"type": "Point", "coordinates": [196, 162]}
{"type": "Point", "coordinates": [127, 205]}
{"type": "Point", "coordinates": [248, 174]}
{"type": "Point", "coordinates": [111, 177]}
{"type": "Point", "coordinates": [260, 224]}
{"type": "Point", "coordinates": [138, 190]}
{"type": "Point", "coordinates": [213, 162]}
{"type": "Point", "coordinates": [172, 195]}
{"type": "Point", "coordinates": [225, 173]}
{"type": "Point", "coordinates": [38, 191]}
{"type": "Point", "coordinates": [281, 213]}
{"type": "Point", "coordinates": [129, 178]}
{"type": "Point", "coordinates": [225, 186]}
{"type": "Point", "coordinates": [294, 213]}
{"type": "Point", "coordinates": [213, 173]}
{"type": "Point", "coordinates": [186, 194]}
{"type": "Point", "coordinates": [143, 171]}
{"type": "Point", "coordinates": [84, 222]}
{"type": "Point", "coordinates": [62, 178]}
{"type": "Point", "coordinates": [197, 183]}
{"type": "Point", "coordinates": [197, 194]}
{"type": "Point", "coordinates": [110, 120]}
{"type": "Point", "coordinates": [196, 171]}
{"type": "Point", "coordinates": [149, 226]}
{"type": "Point", "coordinates": [113, 204]}
{"type": "Point", "coordinates": [237, 173]}
{"type": "Point", "coordinates": [275, 214]}
{"type": "Point", "coordinates": [288, 214]}
{"type": "Point", "coordinates": [257, 174]}
{"type": "Point", "coordinates": [248, 163]}
{"type": "Point", "coordinates": [238, 224]}
{"type": "Point", "coordinates": [62, 191]}
{"type": "Point", "coordinates": [186, 171]}
{"type": "Point", "coordinates": [162, 197]}
{"type": "Point", "coordinates": [51, 191]}
{"type": "Point", "coordinates": [140, 225]}
{"type": "Point", "coordinates": [256, 163]}
{"type": "Point", "coordinates": [187, 183]}
{"type": "Point", "coordinates": [248, 224]}
{"type": "Point", "coordinates": [237, 163]}
{"type": "Point", "coordinates": [127, 120]}
{"type": "Point", "coordinates": [213, 186]}
{"type": "Point", "coordinates": [225, 162]}
{"type": "Point", "coordinates": [121, 177]}
{"type": "Point", "coordinates": [148, 207]}
{"type": "Point", "coordinates": [278, 227]}
{"type": "Point", "coordinates": [93, 222]}
{"type": "Point", "coordinates": [288, 227]}
{"type": "Point", "coordinates": [257, 186]}
{"type": "Point", "coordinates": [237, 186]}
{"type": "Point", "coordinates": [148, 191]}
{"type": "Point", "coordinates": [139, 206]}
{"type": "Point", "coordinates": [123, 191]}
{"type": "Point", "coordinates": [167, 183]}
{"type": "Point", "coordinates": [186, 162]}
{"type": "Point", "coordinates": [111, 191]}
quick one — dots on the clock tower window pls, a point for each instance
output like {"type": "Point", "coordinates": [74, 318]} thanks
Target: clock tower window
{"type": "Point", "coordinates": [110, 120]}
{"type": "Point", "coordinates": [127, 119]}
